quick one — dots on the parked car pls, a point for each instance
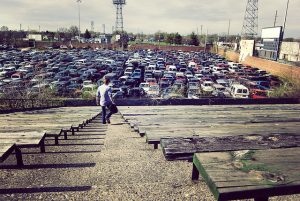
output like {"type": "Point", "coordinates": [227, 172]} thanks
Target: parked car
{"type": "Point", "coordinates": [136, 92]}
{"type": "Point", "coordinates": [239, 91]}
{"type": "Point", "coordinates": [207, 86]}
{"type": "Point", "coordinates": [153, 91]}
{"type": "Point", "coordinates": [258, 94]}
{"type": "Point", "coordinates": [145, 86]}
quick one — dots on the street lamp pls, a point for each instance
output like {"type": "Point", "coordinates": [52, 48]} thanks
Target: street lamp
{"type": "Point", "coordinates": [79, 1]}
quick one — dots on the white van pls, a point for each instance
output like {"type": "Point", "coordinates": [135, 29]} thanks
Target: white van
{"type": "Point", "coordinates": [239, 91]}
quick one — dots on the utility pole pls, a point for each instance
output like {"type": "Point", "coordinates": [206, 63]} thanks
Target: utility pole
{"type": "Point", "coordinates": [206, 39]}
{"type": "Point", "coordinates": [275, 20]}
{"type": "Point", "coordinates": [284, 25]}
{"type": "Point", "coordinates": [201, 29]}
{"type": "Point", "coordinates": [78, 2]}
{"type": "Point", "coordinates": [201, 34]}
{"type": "Point", "coordinates": [20, 27]}
{"type": "Point", "coordinates": [286, 12]}
{"type": "Point", "coordinates": [198, 35]}
{"type": "Point", "coordinates": [92, 26]}
{"type": "Point", "coordinates": [228, 29]}
{"type": "Point", "coordinates": [103, 26]}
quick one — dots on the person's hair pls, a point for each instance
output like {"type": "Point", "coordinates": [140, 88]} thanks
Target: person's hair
{"type": "Point", "coordinates": [106, 80]}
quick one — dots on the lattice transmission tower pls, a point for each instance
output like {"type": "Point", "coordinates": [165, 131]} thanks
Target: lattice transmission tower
{"type": "Point", "coordinates": [119, 14]}
{"type": "Point", "coordinates": [92, 26]}
{"type": "Point", "coordinates": [250, 25]}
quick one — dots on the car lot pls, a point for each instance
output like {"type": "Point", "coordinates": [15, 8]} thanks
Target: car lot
{"type": "Point", "coordinates": [144, 73]}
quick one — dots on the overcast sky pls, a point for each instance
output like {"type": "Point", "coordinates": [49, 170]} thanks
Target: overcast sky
{"type": "Point", "coordinates": [147, 16]}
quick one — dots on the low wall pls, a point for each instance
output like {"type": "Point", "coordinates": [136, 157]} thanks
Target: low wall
{"type": "Point", "coordinates": [204, 101]}
{"type": "Point", "coordinates": [275, 68]}
{"type": "Point", "coordinates": [207, 101]}
{"type": "Point", "coordinates": [228, 54]}
{"type": "Point", "coordinates": [166, 47]}
{"type": "Point", "coordinates": [74, 45]}
{"type": "Point", "coordinates": [233, 56]}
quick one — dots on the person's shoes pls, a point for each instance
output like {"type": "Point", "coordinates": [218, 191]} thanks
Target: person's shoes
{"type": "Point", "coordinates": [108, 121]}
{"type": "Point", "coordinates": [103, 122]}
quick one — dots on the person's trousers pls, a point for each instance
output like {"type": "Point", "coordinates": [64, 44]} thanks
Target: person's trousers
{"type": "Point", "coordinates": [104, 116]}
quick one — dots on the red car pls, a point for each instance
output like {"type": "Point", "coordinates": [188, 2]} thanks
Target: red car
{"type": "Point", "coordinates": [258, 94]}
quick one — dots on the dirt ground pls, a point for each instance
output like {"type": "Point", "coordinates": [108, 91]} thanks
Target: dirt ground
{"type": "Point", "coordinates": [113, 163]}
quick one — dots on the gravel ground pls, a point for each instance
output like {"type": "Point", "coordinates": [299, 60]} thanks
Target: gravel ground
{"type": "Point", "coordinates": [102, 163]}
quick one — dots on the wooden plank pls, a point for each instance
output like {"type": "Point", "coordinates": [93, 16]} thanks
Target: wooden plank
{"type": "Point", "coordinates": [36, 129]}
{"type": "Point", "coordinates": [184, 148]}
{"type": "Point", "coordinates": [22, 141]}
{"type": "Point", "coordinates": [252, 174]}
{"type": "Point", "coordinates": [21, 135]}
{"type": "Point", "coordinates": [7, 149]}
{"type": "Point", "coordinates": [4, 147]}
{"type": "Point", "coordinates": [162, 121]}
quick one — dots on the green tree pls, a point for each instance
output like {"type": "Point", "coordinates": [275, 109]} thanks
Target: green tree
{"type": "Point", "coordinates": [170, 38]}
{"type": "Point", "coordinates": [194, 39]}
{"type": "Point", "coordinates": [87, 34]}
{"type": "Point", "coordinates": [159, 36]}
{"type": "Point", "coordinates": [212, 38]}
{"type": "Point", "coordinates": [177, 39]}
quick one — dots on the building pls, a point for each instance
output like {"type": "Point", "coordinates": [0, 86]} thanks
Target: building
{"type": "Point", "coordinates": [290, 51]}
{"type": "Point", "coordinates": [36, 37]}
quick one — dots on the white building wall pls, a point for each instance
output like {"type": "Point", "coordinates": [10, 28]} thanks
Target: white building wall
{"type": "Point", "coordinates": [290, 51]}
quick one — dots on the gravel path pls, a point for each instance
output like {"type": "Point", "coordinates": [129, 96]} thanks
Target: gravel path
{"type": "Point", "coordinates": [113, 163]}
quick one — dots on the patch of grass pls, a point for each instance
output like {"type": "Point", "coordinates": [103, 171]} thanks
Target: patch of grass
{"type": "Point", "coordinates": [288, 89]}
{"type": "Point", "coordinates": [88, 95]}
{"type": "Point", "coordinates": [249, 155]}
{"type": "Point", "coordinates": [256, 167]}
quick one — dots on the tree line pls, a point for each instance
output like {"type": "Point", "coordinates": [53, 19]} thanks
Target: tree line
{"type": "Point", "coordinates": [8, 36]}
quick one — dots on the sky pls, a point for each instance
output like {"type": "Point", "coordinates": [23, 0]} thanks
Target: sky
{"type": "Point", "coordinates": [147, 16]}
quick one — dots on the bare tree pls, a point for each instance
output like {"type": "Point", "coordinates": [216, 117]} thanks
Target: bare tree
{"type": "Point", "coordinates": [4, 28]}
{"type": "Point", "coordinates": [73, 30]}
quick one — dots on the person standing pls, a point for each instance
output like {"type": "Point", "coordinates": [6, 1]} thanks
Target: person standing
{"type": "Point", "coordinates": [103, 97]}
